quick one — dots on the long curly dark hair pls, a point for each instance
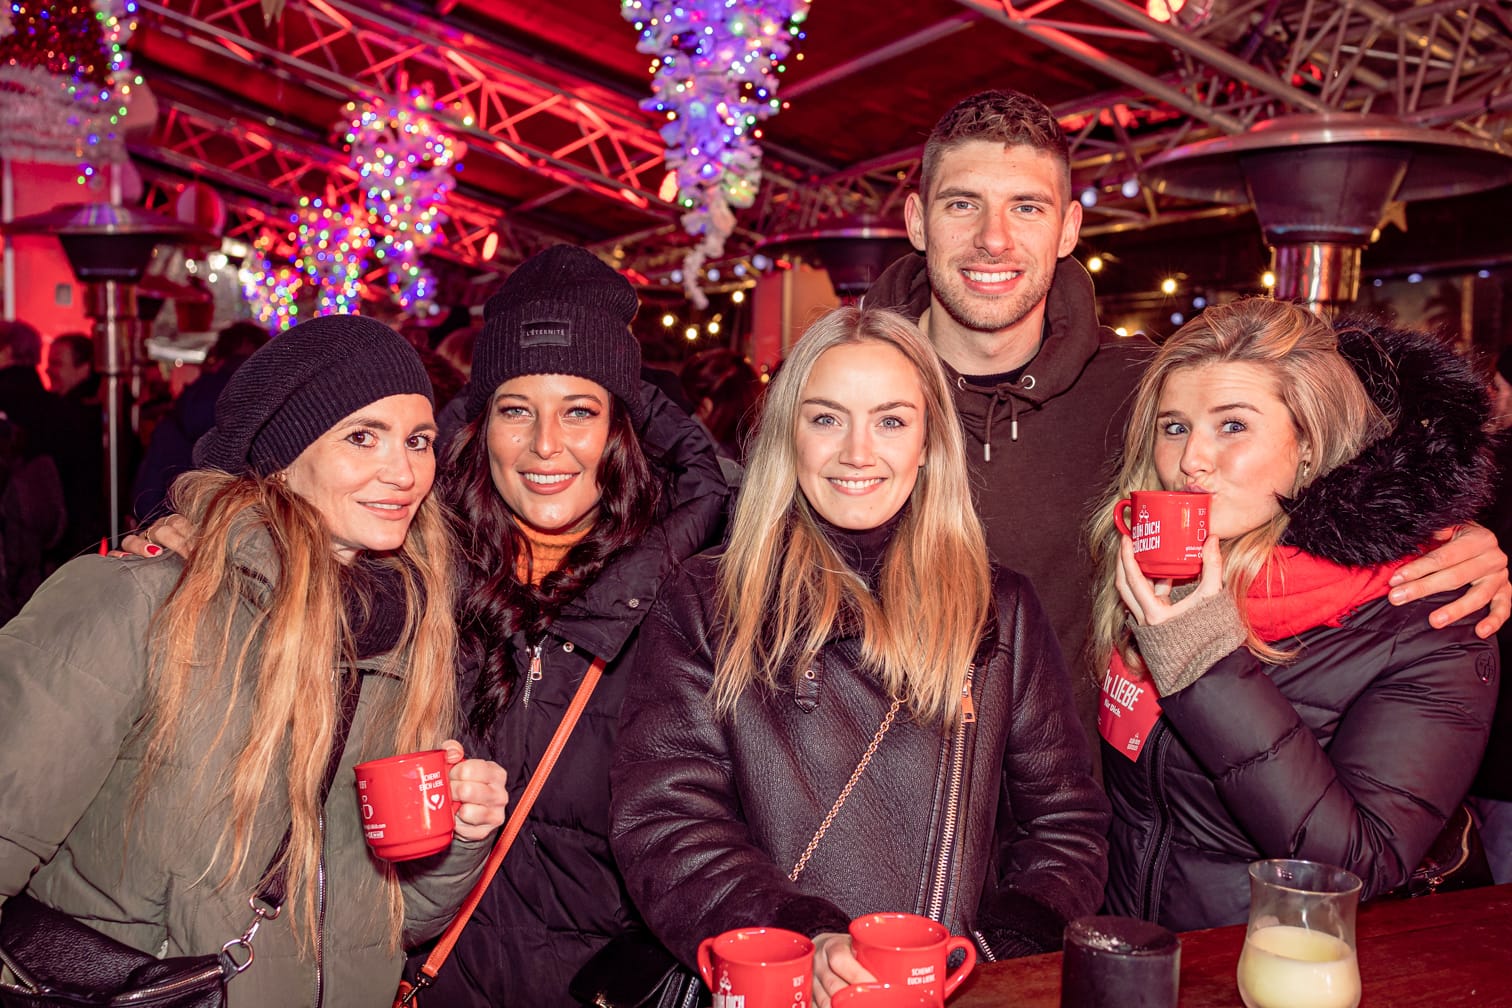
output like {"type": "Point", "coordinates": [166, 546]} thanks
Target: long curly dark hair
{"type": "Point", "coordinates": [494, 602]}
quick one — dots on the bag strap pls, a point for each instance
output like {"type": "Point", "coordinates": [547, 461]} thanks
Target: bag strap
{"type": "Point", "coordinates": [866, 758]}
{"type": "Point", "coordinates": [267, 902]}
{"type": "Point", "coordinates": [517, 815]}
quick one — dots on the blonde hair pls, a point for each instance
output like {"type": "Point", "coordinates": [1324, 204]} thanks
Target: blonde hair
{"type": "Point", "coordinates": [297, 642]}
{"type": "Point", "coordinates": [783, 588]}
{"type": "Point", "coordinates": [1331, 411]}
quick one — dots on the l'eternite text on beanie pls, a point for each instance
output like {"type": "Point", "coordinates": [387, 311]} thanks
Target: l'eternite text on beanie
{"type": "Point", "coordinates": [299, 385]}
{"type": "Point", "coordinates": [562, 311]}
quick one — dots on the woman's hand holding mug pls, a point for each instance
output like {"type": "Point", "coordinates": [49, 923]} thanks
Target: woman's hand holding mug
{"type": "Point", "coordinates": [480, 793]}
{"type": "Point", "coordinates": [1149, 601]}
{"type": "Point", "coordinates": [835, 967]}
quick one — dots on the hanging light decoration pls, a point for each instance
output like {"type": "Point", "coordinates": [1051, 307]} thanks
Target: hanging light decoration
{"type": "Point", "coordinates": [66, 81]}
{"type": "Point", "coordinates": [332, 248]}
{"type": "Point", "coordinates": [271, 289]}
{"type": "Point", "coordinates": [407, 166]}
{"type": "Point", "coordinates": [714, 70]}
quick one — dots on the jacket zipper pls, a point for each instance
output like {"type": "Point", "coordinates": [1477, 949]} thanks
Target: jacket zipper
{"type": "Point", "coordinates": [320, 909]}
{"type": "Point", "coordinates": [534, 675]}
{"type": "Point", "coordinates": [952, 800]}
{"type": "Point", "coordinates": [1154, 862]}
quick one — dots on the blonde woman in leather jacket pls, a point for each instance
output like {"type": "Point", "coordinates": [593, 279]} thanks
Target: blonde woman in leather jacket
{"type": "Point", "coordinates": [855, 605]}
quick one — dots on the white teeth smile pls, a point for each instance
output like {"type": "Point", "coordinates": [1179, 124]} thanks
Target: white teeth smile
{"type": "Point", "coordinates": [546, 479]}
{"type": "Point", "coordinates": [386, 507]}
{"type": "Point", "coordinates": [855, 484]}
{"type": "Point", "coordinates": [982, 276]}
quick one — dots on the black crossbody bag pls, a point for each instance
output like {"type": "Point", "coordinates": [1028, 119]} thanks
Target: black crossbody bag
{"type": "Point", "coordinates": [60, 962]}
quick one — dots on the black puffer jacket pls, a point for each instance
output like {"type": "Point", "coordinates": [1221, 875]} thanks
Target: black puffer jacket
{"type": "Point", "coordinates": [558, 897]}
{"type": "Point", "coordinates": [711, 815]}
{"type": "Point", "coordinates": [1356, 752]}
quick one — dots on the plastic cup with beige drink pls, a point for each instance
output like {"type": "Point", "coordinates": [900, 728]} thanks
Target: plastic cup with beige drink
{"type": "Point", "coordinates": [1299, 951]}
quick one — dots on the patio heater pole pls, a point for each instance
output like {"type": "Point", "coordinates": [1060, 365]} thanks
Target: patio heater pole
{"type": "Point", "coordinates": [109, 247]}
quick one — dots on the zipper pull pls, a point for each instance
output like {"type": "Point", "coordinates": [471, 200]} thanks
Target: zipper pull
{"type": "Point", "coordinates": [534, 675]}
{"type": "Point", "coordinates": [968, 705]}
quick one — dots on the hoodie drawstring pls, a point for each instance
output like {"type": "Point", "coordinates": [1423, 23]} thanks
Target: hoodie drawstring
{"type": "Point", "coordinates": [1013, 407]}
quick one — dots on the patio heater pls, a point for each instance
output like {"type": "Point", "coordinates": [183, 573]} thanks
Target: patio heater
{"type": "Point", "coordinates": [1320, 185]}
{"type": "Point", "coordinates": [109, 246]}
{"type": "Point", "coordinates": [852, 250]}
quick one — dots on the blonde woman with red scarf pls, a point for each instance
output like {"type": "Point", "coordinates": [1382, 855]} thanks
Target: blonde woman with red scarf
{"type": "Point", "coordinates": [1282, 707]}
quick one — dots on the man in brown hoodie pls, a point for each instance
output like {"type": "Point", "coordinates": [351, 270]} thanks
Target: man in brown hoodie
{"type": "Point", "coordinates": [1042, 388]}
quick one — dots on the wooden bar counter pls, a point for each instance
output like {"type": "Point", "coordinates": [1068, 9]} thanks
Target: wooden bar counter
{"type": "Point", "coordinates": [1432, 952]}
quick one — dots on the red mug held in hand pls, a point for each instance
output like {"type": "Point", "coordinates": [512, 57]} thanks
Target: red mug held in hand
{"type": "Point", "coordinates": [1169, 529]}
{"type": "Point", "coordinates": [406, 804]}
{"type": "Point", "coordinates": [909, 951]}
{"type": "Point", "coordinates": [765, 967]}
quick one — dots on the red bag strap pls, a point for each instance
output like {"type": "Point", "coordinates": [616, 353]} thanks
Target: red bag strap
{"type": "Point", "coordinates": [448, 939]}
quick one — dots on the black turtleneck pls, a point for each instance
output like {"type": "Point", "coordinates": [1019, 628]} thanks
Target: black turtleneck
{"type": "Point", "coordinates": [862, 549]}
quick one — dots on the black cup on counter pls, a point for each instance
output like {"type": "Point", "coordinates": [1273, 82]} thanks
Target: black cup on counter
{"type": "Point", "coordinates": [1119, 962]}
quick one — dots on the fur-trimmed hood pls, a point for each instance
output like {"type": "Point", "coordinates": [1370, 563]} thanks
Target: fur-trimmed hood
{"type": "Point", "coordinates": [1432, 470]}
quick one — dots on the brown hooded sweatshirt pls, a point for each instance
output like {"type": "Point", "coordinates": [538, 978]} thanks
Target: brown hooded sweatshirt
{"type": "Point", "coordinates": [1042, 449]}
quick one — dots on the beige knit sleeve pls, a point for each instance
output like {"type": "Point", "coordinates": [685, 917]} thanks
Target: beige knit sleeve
{"type": "Point", "coordinates": [1179, 651]}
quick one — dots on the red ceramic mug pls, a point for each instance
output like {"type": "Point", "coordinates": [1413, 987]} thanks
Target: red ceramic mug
{"type": "Point", "coordinates": [909, 951]}
{"type": "Point", "coordinates": [881, 995]}
{"type": "Point", "coordinates": [406, 804]}
{"type": "Point", "coordinates": [1169, 529]}
{"type": "Point", "coordinates": [766, 967]}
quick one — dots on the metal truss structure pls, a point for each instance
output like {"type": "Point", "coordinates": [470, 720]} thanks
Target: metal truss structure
{"type": "Point", "coordinates": [1231, 64]}
{"type": "Point", "coordinates": [262, 171]}
{"type": "Point", "coordinates": [1445, 65]}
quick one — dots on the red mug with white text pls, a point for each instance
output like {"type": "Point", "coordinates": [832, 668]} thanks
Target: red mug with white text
{"type": "Point", "coordinates": [1169, 529]}
{"type": "Point", "coordinates": [909, 951]}
{"type": "Point", "coordinates": [406, 804]}
{"type": "Point", "coordinates": [761, 967]}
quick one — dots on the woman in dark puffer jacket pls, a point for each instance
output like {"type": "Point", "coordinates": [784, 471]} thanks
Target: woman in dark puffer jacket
{"type": "Point", "coordinates": [580, 488]}
{"type": "Point", "coordinates": [1289, 709]}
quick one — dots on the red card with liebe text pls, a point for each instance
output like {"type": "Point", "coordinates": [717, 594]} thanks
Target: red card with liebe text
{"type": "Point", "coordinates": [1128, 709]}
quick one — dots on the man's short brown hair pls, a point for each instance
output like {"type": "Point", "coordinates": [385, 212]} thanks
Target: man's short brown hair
{"type": "Point", "coordinates": [1010, 118]}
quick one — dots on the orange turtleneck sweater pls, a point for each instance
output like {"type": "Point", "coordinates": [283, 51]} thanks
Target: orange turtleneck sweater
{"type": "Point", "coordinates": [547, 552]}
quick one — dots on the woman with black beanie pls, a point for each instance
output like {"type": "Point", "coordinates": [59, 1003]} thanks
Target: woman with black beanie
{"type": "Point", "coordinates": [167, 721]}
{"type": "Point", "coordinates": [579, 489]}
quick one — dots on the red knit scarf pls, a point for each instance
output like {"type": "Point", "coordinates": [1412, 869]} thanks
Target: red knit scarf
{"type": "Point", "coordinates": [1296, 591]}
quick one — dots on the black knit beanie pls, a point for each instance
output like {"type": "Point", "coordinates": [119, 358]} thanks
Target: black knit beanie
{"type": "Point", "coordinates": [562, 311]}
{"type": "Point", "coordinates": [299, 385]}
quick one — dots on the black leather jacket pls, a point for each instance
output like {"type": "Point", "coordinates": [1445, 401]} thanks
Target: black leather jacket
{"type": "Point", "coordinates": [997, 829]}
{"type": "Point", "coordinates": [1356, 752]}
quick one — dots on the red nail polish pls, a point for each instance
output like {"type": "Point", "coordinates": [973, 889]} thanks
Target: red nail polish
{"type": "Point", "coordinates": [153, 550]}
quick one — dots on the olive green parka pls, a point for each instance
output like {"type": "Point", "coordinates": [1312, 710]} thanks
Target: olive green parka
{"type": "Point", "coordinates": [73, 687]}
